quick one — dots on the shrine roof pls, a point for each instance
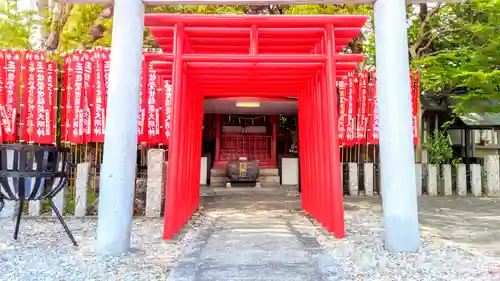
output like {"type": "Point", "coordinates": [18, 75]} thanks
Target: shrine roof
{"type": "Point", "coordinates": [277, 55]}
{"type": "Point", "coordinates": [276, 33]}
{"type": "Point", "coordinates": [288, 21]}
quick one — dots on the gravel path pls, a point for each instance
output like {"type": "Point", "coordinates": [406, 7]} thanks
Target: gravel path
{"type": "Point", "coordinates": [459, 238]}
{"type": "Point", "coordinates": [257, 245]}
{"type": "Point", "coordinates": [44, 252]}
{"type": "Point", "coordinates": [362, 255]}
{"type": "Point", "coordinates": [460, 242]}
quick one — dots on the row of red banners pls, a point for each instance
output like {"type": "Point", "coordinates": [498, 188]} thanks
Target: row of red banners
{"type": "Point", "coordinates": [35, 108]}
{"type": "Point", "coordinates": [28, 98]}
{"type": "Point", "coordinates": [358, 109]}
{"type": "Point", "coordinates": [85, 84]}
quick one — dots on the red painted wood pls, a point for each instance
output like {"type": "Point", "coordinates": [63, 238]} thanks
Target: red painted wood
{"type": "Point", "coordinates": [251, 146]}
{"type": "Point", "coordinates": [336, 184]}
{"type": "Point", "coordinates": [173, 183]}
{"type": "Point", "coordinates": [261, 57]}
{"type": "Point", "coordinates": [251, 99]}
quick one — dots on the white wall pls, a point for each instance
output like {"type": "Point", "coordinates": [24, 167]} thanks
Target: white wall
{"type": "Point", "coordinates": [290, 171]}
{"type": "Point", "coordinates": [203, 171]}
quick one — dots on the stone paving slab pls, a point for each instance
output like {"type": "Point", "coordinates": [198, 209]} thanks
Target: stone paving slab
{"type": "Point", "coordinates": [259, 245]}
{"type": "Point", "coordinates": [459, 242]}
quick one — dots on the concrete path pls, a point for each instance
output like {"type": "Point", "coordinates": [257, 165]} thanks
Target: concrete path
{"type": "Point", "coordinates": [245, 241]}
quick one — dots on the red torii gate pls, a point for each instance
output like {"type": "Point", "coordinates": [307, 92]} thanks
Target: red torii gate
{"type": "Point", "coordinates": [255, 56]}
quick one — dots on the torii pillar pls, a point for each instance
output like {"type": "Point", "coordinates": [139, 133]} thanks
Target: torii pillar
{"type": "Point", "coordinates": [397, 158]}
{"type": "Point", "coordinates": [117, 180]}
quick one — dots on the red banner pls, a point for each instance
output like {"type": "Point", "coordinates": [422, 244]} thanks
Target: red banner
{"type": "Point", "coordinates": [167, 89]}
{"type": "Point", "coordinates": [64, 99]}
{"type": "Point", "coordinates": [342, 110]}
{"type": "Point", "coordinates": [362, 108]}
{"type": "Point", "coordinates": [373, 135]}
{"type": "Point", "coordinates": [28, 98]}
{"type": "Point", "coordinates": [143, 97]}
{"type": "Point", "coordinates": [2, 92]}
{"type": "Point", "coordinates": [352, 106]}
{"type": "Point", "coordinates": [4, 121]}
{"type": "Point", "coordinates": [10, 98]}
{"type": "Point", "coordinates": [87, 96]}
{"type": "Point", "coordinates": [52, 93]}
{"type": "Point", "coordinates": [414, 98]}
{"type": "Point", "coordinates": [74, 93]}
{"type": "Point", "coordinates": [154, 104]}
{"type": "Point", "coordinates": [99, 97]}
{"type": "Point", "coordinates": [107, 67]}
{"type": "Point", "coordinates": [42, 132]}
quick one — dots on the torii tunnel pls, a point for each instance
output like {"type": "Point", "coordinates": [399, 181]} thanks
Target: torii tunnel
{"type": "Point", "coordinates": [258, 57]}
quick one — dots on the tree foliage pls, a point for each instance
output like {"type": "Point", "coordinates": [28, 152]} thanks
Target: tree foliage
{"type": "Point", "coordinates": [463, 55]}
{"type": "Point", "coordinates": [364, 43]}
{"type": "Point", "coordinates": [84, 25]}
{"type": "Point", "coordinates": [15, 26]}
{"type": "Point", "coordinates": [455, 46]}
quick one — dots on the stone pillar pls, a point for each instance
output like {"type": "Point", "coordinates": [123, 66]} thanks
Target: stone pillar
{"type": "Point", "coordinates": [34, 208]}
{"type": "Point", "coordinates": [290, 171]}
{"type": "Point", "coordinates": [446, 180]}
{"type": "Point", "coordinates": [492, 171]}
{"type": "Point", "coordinates": [461, 180]}
{"type": "Point", "coordinates": [432, 182]}
{"type": "Point", "coordinates": [397, 158]}
{"type": "Point", "coordinates": [10, 208]}
{"type": "Point", "coordinates": [155, 182]}
{"type": "Point", "coordinates": [81, 189]}
{"type": "Point", "coordinates": [203, 171]}
{"type": "Point", "coordinates": [368, 179]}
{"type": "Point", "coordinates": [476, 179]}
{"type": "Point", "coordinates": [117, 180]}
{"type": "Point", "coordinates": [60, 201]}
{"type": "Point", "coordinates": [353, 179]}
{"type": "Point", "coordinates": [418, 177]}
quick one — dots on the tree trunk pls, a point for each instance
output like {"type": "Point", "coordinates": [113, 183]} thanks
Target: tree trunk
{"type": "Point", "coordinates": [39, 32]}
{"type": "Point", "coordinates": [264, 10]}
{"type": "Point", "coordinates": [60, 14]}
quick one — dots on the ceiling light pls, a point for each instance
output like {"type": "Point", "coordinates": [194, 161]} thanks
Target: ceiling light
{"type": "Point", "coordinates": [248, 104]}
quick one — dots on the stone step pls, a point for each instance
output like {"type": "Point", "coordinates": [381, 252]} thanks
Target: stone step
{"type": "Point", "coordinates": [266, 181]}
{"type": "Point", "coordinates": [218, 172]}
{"type": "Point", "coordinates": [218, 180]}
{"type": "Point", "coordinates": [268, 172]}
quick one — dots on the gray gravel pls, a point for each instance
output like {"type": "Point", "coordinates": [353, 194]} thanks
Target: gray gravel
{"type": "Point", "coordinates": [362, 256]}
{"type": "Point", "coordinates": [44, 252]}
{"type": "Point", "coordinates": [455, 246]}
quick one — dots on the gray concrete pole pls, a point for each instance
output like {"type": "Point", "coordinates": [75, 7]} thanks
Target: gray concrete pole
{"type": "Point", "coordinates": [397, 159]}
{"type": "Point", "coordinates": [117, 180]}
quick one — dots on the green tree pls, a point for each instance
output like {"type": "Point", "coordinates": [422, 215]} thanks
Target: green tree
{"type": "Point", "coordinates": [364, 43]}
{"type": "Point", "coordinates": [15, 25]}
{"type": "Point", "coordinates": [66, 27]}
{"type": "Point", "coordinates": [464, 55]}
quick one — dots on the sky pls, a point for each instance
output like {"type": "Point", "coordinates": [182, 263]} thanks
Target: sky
{"type": "Point", "coordinates": [26, 4]}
